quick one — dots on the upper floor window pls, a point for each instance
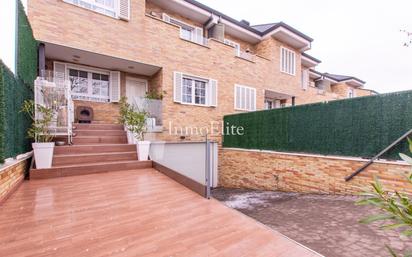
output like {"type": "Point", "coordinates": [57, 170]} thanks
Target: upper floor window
{"type": "Point", "coordinates": [187, 32]}
{"type": "Point", "coordinates": [287, 61]}
{"type": "Point", "coordinates": [233, 44]}
{"type": "Point", "coordinates": [113, 8]}
{"type": "Point", "coordinates": [194, 90]}
{"type": "Point", "coordinates": [107, 7]}
{"type": "Point", "coordinates": [305, 79]}
{"type": "Point", "coordinates": [351, 93]}
{"type": "Point", "coordinates": [245, 98]}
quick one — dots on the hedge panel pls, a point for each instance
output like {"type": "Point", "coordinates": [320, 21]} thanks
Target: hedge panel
{"type": "Point", "coordinates": [359, 127]}
{"type": "Point", "coordinates": [14, 89]}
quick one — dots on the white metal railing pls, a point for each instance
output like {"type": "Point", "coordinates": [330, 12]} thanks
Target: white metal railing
{"type": "Point", "coordinates": [245, 55]}
{"type": "Point", "coordinates": [193, 37]}
{"type": "Point", "coordinates": [52, 91]}
{"type": "Point", "coordinates": [153, 107]}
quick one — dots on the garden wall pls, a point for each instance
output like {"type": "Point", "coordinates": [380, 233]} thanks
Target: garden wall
{"type": "Point", "coordinates": [11, 176]}
{"type": "Point", "coordinates": [265, 170]}
{"type": "Point", "coordinates": [359, 127]}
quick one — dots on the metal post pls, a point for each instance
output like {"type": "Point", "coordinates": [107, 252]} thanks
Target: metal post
{"type": "Point", "coordinates": [207, 166]}
{"type": "Point", "coordinates": [42, 60]}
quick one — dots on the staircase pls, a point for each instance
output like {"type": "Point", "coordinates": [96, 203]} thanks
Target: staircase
{"type": "Point", "coordinates": [96, 148]}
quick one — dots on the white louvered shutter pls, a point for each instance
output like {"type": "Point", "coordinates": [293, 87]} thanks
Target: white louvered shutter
{"type": "Point", "coordinates": [178, 85]}
{"type": "Point", "coordinates": [305, 79]}
{"type": "Point", "coordinates": [166, 17]}
{"type": "Point", "coordinates": [59, 73]}
{"type": "Point", "coordinates": [114, 86]}
{"type": "Point", "coordinates": [212, 93]}
{"type": "Point", "coordinates": [124, 10]}
{"type": "Point", "coordinates": [199, 36]}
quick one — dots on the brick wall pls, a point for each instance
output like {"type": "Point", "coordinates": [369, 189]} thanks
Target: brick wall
{"type": "Point", "coordinates": [149, 40]}
{"type": "Point", "coordinates": [306, 173]}
{"type": "Point", "coordinates": [10, 178]}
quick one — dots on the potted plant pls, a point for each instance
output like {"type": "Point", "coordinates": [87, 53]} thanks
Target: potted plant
{"type": "Point", "coordinates": [42, 146]}
{"type": "Point", "coordinates": [136, 124]}
{"type": "Point", "coordinates": [124, 109]}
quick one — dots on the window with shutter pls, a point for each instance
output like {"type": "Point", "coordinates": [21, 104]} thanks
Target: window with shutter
{"type": "Point", "coordinates": [305, 79]}
{"type": "Point", "coordinates": [194, 90]}
{"type": "Point", "coordinates": [287, 61]}
{"type": "Point", "coordinates": [124, 9]}
{"type": "Point", "coordinates": [59, 73]}
{"type": "Point", "coordinates": [114, 86]}
{"type": "Point", "coordinates": [245, 98]}
{"type": "Point", "coordinates": [106, 7]}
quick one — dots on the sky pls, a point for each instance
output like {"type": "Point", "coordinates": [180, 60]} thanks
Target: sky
{"type": "Point", "coordinates": [7, 28]}
{"type": "Point", "coordinates": [360, 38]}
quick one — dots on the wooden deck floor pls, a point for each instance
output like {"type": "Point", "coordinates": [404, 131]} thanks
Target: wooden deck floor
{"type": "Point", "coordinates": [130, 213]}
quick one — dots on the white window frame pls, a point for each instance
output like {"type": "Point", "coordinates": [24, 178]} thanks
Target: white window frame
{"type": "Point", "coordinates": [239, 108]}
{"type": "Point", "coordinates": [92, 3]}
{"type": "Point", "coordinates": [287, 64]}
{"type": "Point", "coordinates": [351, 93]}
{"type": "Point", "coordinates": [90, 72]}
{"type": "Point", "coordinates": [234, 45]}
{"type": "Point", "coordinates": [183, 25]}
{"type": "Point", "coordinates": [194, 79]}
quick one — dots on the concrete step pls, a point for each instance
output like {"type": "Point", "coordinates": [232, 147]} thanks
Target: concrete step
{"type": "Point", "coordinates": [84, 169]}
{"type": "Point", "coordinates": [92, 126]}
{"type": "Point", "coordinates": [88, 140]}
{"type": "Point", "coordinates": [93, 148]}
{"type": "Point", "coordinates": [88, 133]}
{"type": "Point", "coordinates": [89, 158]}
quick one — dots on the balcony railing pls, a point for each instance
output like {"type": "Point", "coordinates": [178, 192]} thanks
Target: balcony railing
{"type": "Point", "coordinates": [153, 108]}
{"type": "Point", "coordinates": [193, 37]}
{"type": "Point", "coordinates": [52, 90]}
{"type": "Point", "coordinates": [246, 56]}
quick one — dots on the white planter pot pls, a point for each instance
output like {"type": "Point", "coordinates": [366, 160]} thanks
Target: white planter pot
{"type": "Point", "coordinates": [130, 137]}
{"type": "Point", "coordinates": [43, 154]}
{"type": "Point", "coordinates": [143, 148]}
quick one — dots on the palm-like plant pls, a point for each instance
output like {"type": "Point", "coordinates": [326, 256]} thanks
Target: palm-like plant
{"type": "Point", "coordinates": [396, 208]}
{"type": "Point", "coordinates": [39, 130]}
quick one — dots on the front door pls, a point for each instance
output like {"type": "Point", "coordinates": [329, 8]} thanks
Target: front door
{"type": "Point", "coordinates": [135, 88]}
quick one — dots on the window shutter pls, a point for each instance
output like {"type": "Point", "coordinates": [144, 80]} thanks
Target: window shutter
{"type": "Point", "coordinates": [166, 17]}
{"type": "Point", "coordinates": [305, 79]}
{"type": "Point", "coordinates": [199, 36]}
{"type": "Point", "coordinates": [59, 73]}
{"type": "Point", "coordinates": [212, 93]}
{"type": "Point", "coordinates": [114, 86]}
{"type": "Point", "coordinates": [253, 100]}
{"type": "Point", "coordinates": [124, 10]}
{"type": "Point", "coordinates": [178, 85]}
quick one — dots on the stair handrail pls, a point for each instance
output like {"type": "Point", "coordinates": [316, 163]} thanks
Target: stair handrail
{"type": "Point", "coordinates": [394, 143]}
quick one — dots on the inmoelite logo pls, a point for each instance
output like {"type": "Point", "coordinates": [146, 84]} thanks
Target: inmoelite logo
{"type": "Point", "coordinates": [213, 129]}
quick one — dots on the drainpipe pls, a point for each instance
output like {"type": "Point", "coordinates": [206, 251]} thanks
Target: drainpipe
{"type": "Point", "coordinates": [42, 60]}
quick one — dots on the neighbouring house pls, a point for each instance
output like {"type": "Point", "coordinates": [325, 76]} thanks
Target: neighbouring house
{"type": "Point", "coordinates": [200, 64]}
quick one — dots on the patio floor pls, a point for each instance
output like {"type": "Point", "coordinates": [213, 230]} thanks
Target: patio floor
{"type": "Point", "coordinates": [129, 213]}
{"type": "Point", "coordinates": [328, 224]}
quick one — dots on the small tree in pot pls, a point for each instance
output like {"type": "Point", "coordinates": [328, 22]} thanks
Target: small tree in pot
{"type": "Point", "coordinates": [43, 147]}
{"type": "Point", "coordinates": [136, 124]}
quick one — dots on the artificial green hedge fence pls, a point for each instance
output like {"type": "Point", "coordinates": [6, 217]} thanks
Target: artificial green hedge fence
{"type": "Point", "coordinates": [15, 89]}
{"type": "Point", "coordinates": [359, 127]}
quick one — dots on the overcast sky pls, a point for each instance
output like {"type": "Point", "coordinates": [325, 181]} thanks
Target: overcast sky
{"type": "Point", "coordinates": [361, 38]}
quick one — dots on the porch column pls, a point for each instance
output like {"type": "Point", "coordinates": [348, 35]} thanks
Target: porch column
{"type": "Point", "coordinates": [293, 100]}
{"type": "Point", "coordinates": [42, 59]}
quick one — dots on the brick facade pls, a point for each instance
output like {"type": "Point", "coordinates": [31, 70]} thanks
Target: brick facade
{"type": "Point", "coordinates": [11, 177]}
{"type": "Point", "coordinates": [306, 173]}
{"type": "Point", "coordinates": [149, 40]}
